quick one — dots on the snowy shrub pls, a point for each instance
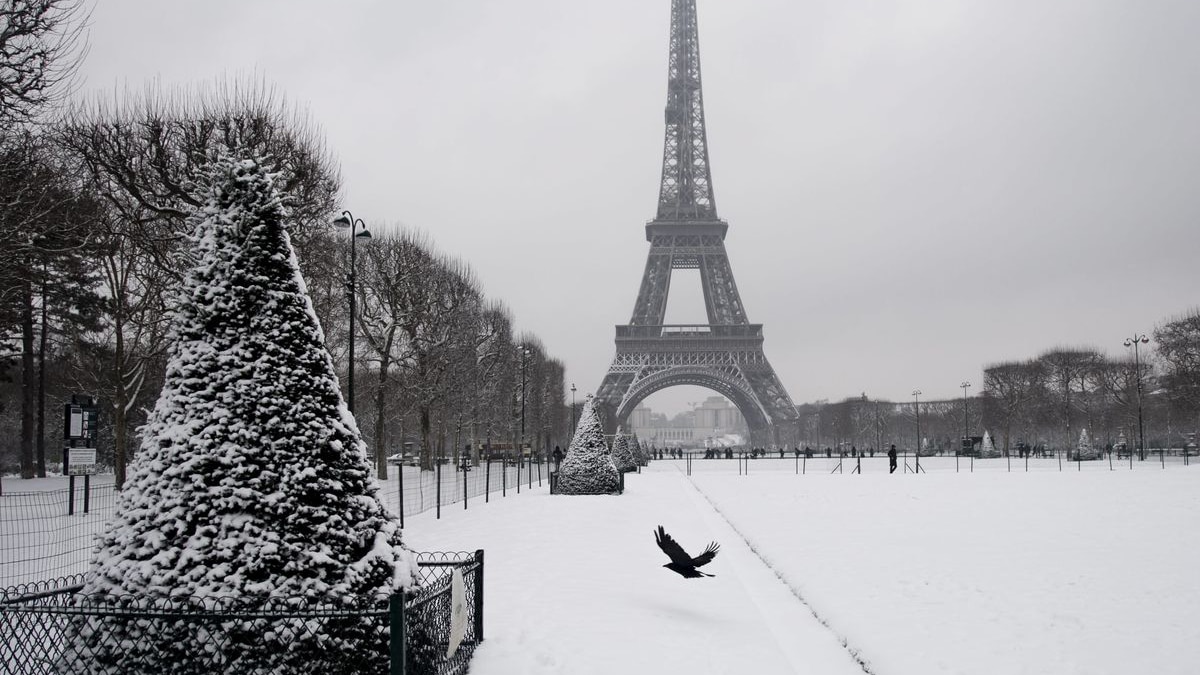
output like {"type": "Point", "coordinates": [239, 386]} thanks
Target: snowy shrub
{"type": "Point", "coordinates": [622, 454]}
{"type": "Point", "coordinates": [988, 449]}
{"type": "Point", "coordinates": [640, 453]}
{"type": "Point", "coordinates": [588, 469]}
{"type": "Point", "coordinates": [1084, 449]}
{"type": "Point", "coordinates": [252, 481]}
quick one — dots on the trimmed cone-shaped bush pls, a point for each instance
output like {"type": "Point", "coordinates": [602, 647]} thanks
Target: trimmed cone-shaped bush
{"type": "Point", "coordinates": [252, 481]}
{"type": "Point", "coordinates": [588, 468]}
{"type": "Point", "coordinates": [988, 449]}
{"type": "Point", "coordinates": [1084, 449]}
{"type": "Point", "coordinates": [622, 455]}
{"type": "Point", "coordinates": [639, 451]}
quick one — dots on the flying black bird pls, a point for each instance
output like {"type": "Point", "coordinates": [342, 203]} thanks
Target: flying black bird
{"type": "Point", "coordinates": [681, 563]}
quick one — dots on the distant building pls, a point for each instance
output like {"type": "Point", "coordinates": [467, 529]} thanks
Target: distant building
{"type": "Point", "coordinates": [715, 418]}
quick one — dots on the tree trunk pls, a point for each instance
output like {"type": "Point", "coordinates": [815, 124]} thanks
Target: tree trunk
{"type": "Point", "coordinates": [381, 469]}
{"type": "Point", "coordinates": [121, 402]}
{"type": "Point", "coordinates": [426, 451]}
{"type": "Point", "coordinates": [27, 381]}
{"type": "Point", "coordinates": [41, 401]}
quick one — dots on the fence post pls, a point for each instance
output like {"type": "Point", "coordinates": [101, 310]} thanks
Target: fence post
{"type": "Point", "coordinates": [479, 597]}
{"type": "Point", "coordinates": [400, 480]}
{"type": "Point", "coordinates": [396, 633]}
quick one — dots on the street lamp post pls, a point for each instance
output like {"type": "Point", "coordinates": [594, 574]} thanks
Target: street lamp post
{"type": "Point", "coordinates": [917, 453]}
{"type": "Point", "coordinates": [1137, 364]}
{"type": "Point", "coordinates": [966, 429]}
{"type": "Point", "coordinates": [521, 450]}
{"type": "Point", "coordinates": [572, 410]}
{"type": "Point", "coordinates": [357, 229]}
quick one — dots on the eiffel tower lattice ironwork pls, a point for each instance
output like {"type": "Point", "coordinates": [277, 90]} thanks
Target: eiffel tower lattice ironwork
{"type": "Point", "coordinates": [726, 354]}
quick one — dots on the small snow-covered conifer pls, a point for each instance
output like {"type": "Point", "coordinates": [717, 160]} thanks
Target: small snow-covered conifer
{"type": "Point", "coordinates": [988, 449]}
{"type": "Point", "coordinates": [588, 468]}
{"type": "Point", "coordinates": [639, 451]}
{"type": "Point", "coordinates": [1084, 449]}
{"type": "Point", "coordinates": [252, 482]}
{"type": "Point", "coordinates": [622, 455]}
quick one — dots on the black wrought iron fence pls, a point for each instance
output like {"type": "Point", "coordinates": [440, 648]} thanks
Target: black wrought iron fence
{"type": "Point", "coordinates": [50, 627]}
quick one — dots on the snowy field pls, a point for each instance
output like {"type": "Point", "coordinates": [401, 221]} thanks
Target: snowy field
{"type": "Point", "coordinates": [1083, 571]}
{"type": "Point", "coordinates": [991, 573]}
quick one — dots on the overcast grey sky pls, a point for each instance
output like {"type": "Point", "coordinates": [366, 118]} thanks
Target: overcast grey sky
{"type": "Point", "coordinates": [914, 189]}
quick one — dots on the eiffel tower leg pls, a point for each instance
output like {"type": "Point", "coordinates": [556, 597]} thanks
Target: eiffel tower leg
{"type": "Point", "coordinates": [608, 398]}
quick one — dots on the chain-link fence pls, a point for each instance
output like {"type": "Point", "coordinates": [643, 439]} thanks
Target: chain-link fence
{"type": "Point", "coordinates": [50, 627]}
{"type": "Point", "coordinates": [43, 536]}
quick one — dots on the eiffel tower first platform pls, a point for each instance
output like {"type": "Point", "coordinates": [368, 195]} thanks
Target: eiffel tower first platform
{"type": "Point", "coordinates": [726, 354]}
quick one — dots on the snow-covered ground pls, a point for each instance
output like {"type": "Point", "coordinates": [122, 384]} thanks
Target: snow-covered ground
{"type": "Point", "coordinates": [987, 573]}
{"type": "Point", "coordinates": [990, 573]}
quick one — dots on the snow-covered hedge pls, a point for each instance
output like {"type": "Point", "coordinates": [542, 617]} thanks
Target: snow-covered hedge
{"type": "Point", "coordinates": [622, 454]}
{"type": "Point", "coordinates": [640, 452]}
{"type": "Point", "coordinates": [252, 480]}
{"type": "Point", "coordinates": [588, 468]}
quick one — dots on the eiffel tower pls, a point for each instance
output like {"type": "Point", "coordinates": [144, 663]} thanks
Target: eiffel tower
{"type": "Point", "coordinates": [726, 354]}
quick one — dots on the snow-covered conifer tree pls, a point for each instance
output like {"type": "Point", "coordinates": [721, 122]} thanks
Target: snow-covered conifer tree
{"type": "Point", "coordinates": [588, 468]}
{"type": "Point", "coordinates": [622, 454]}
{"type": "Point", "coordinates": [252, 481]}
{"type": "Point", "coordinates": [1084, 449]}
{"type": "Point", "coordinates": [640, 452]}
{"type": "Point", "coordinates": [988, 449]}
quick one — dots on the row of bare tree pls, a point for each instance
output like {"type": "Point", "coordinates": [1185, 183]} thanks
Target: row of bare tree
{"type": "Point", "coordinates": [94, 196]}
{"type": "Point", "coordinates": [1044, 401]}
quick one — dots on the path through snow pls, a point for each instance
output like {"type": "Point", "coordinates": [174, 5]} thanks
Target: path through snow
{"type": "Point", "coordinates": [587, 593]}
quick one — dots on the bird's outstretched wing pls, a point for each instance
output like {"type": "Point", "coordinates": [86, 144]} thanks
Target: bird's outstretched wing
{"type": "Point", "coordinates": [707, 556]}
{"type": "Point", "coordinates": [673, 550]}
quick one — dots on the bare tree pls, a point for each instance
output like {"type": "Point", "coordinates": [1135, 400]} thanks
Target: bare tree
{"type": "Point", "coordinates": [1012, 389]}
{"type": "Point", "coordinates": [1069, 382]}
{"type": "Point", "coordinates": [1178, 345]}
{"type": "Point", "coordinates": [1119, 383]}
{"type": "Point", "coordinates": [42, 43]}
{"type": "Point", "coordinates": [143, 152]}
{"type": "Point", "coordinates": [417, 315]}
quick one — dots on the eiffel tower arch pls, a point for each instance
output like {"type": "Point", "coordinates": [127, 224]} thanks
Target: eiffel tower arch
{"type": "Point", "coordinates": [726, 354]}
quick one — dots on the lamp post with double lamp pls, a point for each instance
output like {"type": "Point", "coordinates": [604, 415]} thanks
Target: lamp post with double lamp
{"type": "Point", "coordinates": [1137, 364]}
{"type": "Point", "coordinates": [917, 452]}
{"type": "Point", "coordinates": [966, 429]}
{"type": "Point", "coordinates": [358, 229]}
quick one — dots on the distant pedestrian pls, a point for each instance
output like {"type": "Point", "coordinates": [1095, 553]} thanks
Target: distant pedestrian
{"type": "Point", "coordinates": [892, 459]}
{"type": "Point", "coordinates": [558, 457]}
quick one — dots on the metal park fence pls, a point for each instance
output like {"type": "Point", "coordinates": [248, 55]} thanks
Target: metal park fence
{"type": "Point", "coordinates": [907, 462]}
{"type": "Point", "coordinates": [414, 491]}
{"type": "Point", "coordinates": [43, 536]}
{"type": "Point", "coordinates": [50, 627]}
{"type": "Point", "coordinates": [41, 539]}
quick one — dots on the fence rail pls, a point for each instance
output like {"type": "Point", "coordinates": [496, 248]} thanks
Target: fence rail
{"type": "Point", "coordinates": [40, 540]}
{"type": "Point", "coordinates": [906, 462]}
{"type": "Point", "coordinates": [50, 627]}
